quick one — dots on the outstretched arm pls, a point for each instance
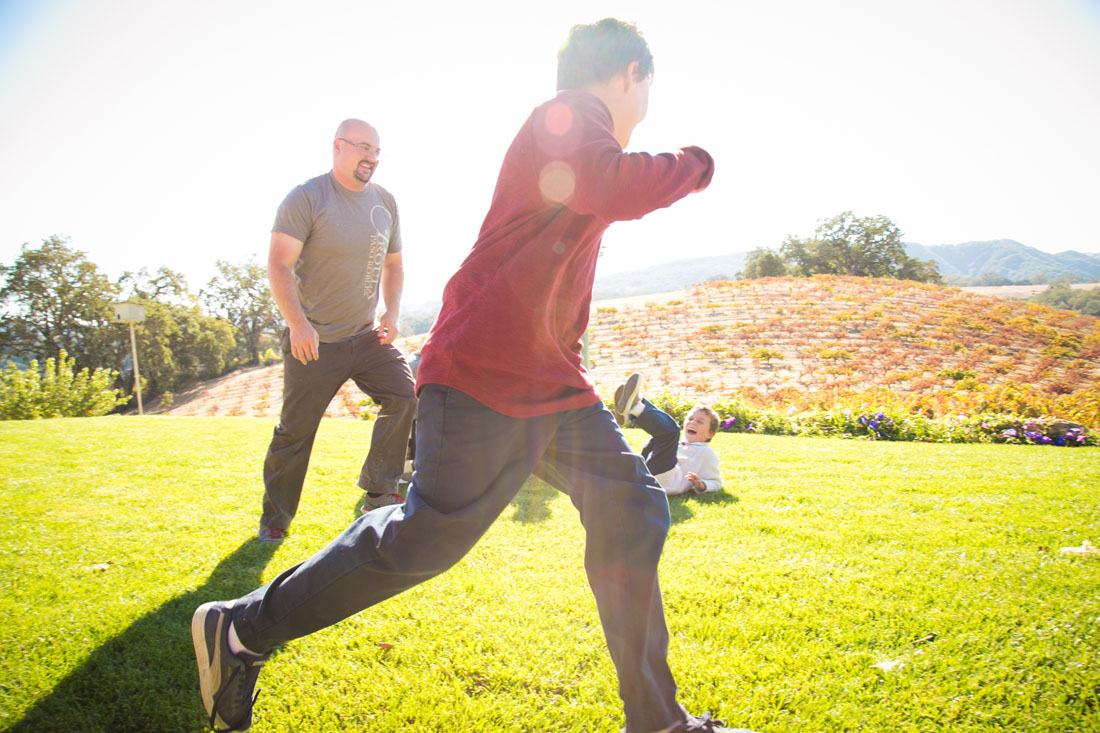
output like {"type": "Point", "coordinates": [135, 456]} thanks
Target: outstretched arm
{"type": "Point", "coordinates": [617, 186]}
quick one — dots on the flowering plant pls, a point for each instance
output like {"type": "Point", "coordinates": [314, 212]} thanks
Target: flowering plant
{"type": "Point", "coordinates": [880, 419]}
{"type": "Point", "coordinates": [876, 424]}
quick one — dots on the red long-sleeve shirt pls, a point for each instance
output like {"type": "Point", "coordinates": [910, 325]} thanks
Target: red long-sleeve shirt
{"type": "Point", "coordinates": [509, 331]}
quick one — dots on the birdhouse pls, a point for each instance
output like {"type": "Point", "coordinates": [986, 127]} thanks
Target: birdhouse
{"type": "Point", "coordinates": [128, 312]}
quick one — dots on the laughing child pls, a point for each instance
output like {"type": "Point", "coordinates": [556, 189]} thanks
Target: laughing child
{"type": "Point", "coordinates": [680, 467]}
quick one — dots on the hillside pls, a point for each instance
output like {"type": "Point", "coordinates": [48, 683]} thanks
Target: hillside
{"type": "Point", "coordinates": [810, 335]}
{"type": "Point", "coordinates": [838, 332]}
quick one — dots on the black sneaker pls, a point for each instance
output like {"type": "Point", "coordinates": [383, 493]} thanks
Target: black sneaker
{"type": "Point", "coordinates": [626, 396]}
{"type": "Point", "coordinates": [226, 680]}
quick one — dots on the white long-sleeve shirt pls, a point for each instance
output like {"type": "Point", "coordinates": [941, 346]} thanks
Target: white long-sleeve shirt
{"type": "Point", "coordinates": [697, 458]}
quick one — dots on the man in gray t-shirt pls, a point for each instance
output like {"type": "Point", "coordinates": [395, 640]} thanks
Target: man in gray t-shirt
{"type": "Point", "coordinates": [335, 245]}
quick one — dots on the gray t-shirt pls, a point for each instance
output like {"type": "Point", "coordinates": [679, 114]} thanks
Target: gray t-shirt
{"type": "Point", "coordinates": [347, 235]}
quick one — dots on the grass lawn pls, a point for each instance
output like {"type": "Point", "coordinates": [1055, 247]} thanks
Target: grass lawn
{"type": "Point", "coordinates": [837, 585]}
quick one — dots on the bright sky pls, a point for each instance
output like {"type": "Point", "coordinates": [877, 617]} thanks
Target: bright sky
{"type": "Point", "coordinates": [159, 133]}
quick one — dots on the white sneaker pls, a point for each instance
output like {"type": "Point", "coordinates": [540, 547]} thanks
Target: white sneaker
{"type": "Point", "coordinates": [369, 502]}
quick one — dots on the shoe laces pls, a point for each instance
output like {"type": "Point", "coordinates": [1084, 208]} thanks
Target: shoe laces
{"type": "Point", "coordinates": [702, 724]}
{"type": "Point", "coordinates": [238, 694]}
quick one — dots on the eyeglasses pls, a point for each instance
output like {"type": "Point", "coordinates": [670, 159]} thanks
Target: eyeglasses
{"type": "Point", "coordinates": [365, 148]}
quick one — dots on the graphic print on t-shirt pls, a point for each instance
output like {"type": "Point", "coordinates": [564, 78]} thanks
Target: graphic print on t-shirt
{"type": "Point", "coordinates": [377, 246]}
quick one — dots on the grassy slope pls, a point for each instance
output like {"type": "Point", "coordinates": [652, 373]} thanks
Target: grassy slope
{"type": "Point", "coordinates": [828, 332]}
{"type": "Point", "coordinates": [825, 558]}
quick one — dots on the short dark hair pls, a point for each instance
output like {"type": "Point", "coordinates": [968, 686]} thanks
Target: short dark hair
{"type": "Point", "coordinates": [715, 420]}
{"type": "Point", "coordinates": [596, 52]}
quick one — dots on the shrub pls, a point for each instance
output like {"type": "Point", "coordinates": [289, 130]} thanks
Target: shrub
{"type": "Point", "coordinates": [880, 415]}
{"type": "Point", "coordinates": [956, 374]}
{"type": "Point", "coordinates": [27, 394]}
{"type": "Point", "coordinates": [766, 355]}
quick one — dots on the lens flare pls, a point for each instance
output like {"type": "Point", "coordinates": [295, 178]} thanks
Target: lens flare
{"type": "Point", "coordinates": [559, 119]}
{"type": "Point", "coordinates": [557, 181]}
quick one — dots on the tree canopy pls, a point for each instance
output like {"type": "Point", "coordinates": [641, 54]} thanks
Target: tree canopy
{"type": "Point", "coordinates": [1061, 295]}
{"type": "Point", "coordinates": [57, 300]}
{"type": "Point", "coordinates": [844, 245]}
{"type": "Point", "coordinates": [54, 301]}
{"type": "Point", "coordinates": [240, 294]}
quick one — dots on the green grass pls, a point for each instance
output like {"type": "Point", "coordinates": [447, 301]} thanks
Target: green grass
{"type": "Point", "coordinates": [825, 558]}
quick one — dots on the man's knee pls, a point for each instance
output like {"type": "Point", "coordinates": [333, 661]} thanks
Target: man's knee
{"type": "Point", "coordinates": [404, 405]}
{"type": "Point", "coordinates": [290, 432]}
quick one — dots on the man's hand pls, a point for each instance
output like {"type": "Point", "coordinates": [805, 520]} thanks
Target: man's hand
{"type": "Point", "coordinates": [303, 343]}
{"type": "Point", "coordinates": [284, 252]}
{"type": "Point", "coordinates": [387, 328]}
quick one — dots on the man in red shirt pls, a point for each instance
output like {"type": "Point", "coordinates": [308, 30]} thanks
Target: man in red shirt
{"type": "Point", "coordinates": [503, 395]}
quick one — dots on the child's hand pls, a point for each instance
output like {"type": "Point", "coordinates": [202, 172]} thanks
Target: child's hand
{"type": "Point", "coordinates": [696, 482]}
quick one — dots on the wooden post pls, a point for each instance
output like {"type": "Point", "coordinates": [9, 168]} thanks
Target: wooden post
{"type": "Point", "coordinates": [137, 373]}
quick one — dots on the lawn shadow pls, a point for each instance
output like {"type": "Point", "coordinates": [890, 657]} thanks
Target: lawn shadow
{"type": "Point", "coordinates": [681, 507]}
{"type": "Point", "coordinates": [532, 503]}
{"type": "Point", "coordinates": [145, 678]}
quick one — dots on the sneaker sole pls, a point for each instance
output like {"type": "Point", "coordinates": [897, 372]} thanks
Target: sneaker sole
{"type": "Point", "coordinates": [625, 401]}
{"type": "Point", "coordinates": [209, 659]}
{"type": "Point", "coordinates": [619, 420]}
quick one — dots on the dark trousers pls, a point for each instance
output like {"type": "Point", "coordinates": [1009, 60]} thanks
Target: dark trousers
{"type": "Point", "coordinates": [470, 463]}
{"type": "Point", "coordinates": [377, 369]}
{"type": "Point", "coordinates": [659, 451]}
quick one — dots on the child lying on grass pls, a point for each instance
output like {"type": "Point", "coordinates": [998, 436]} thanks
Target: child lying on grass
{"type": "Point", "coordinates": [680, 467]}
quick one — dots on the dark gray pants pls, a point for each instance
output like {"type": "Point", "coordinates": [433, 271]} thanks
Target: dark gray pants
{"type": "Point", "coordinates": [470, 463]}
{"type": "Point", "coordinates": [377, 369]}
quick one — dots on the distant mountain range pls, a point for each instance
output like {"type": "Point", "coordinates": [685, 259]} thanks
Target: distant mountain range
{"type": "Point", "coordinates": [969, 263]}
{"type": "Point", "coordinates": [999, 262]}
{"type": "Point", "coordinates": [675, 275]}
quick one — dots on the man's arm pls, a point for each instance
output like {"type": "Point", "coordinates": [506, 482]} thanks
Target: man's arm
{"type": "Point", "coordinates": [281, 257]}
{"type": "Point", "coordinates": [393, 282]}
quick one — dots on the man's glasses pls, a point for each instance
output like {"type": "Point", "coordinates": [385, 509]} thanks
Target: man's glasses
{"type": "Point", "coordinates": [365, 148]}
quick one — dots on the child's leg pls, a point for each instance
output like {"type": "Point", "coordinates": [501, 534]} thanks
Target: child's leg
{"type": "Point", "coordinates": [659, 452]}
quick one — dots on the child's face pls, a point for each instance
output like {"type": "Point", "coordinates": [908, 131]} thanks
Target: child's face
{"type": "Point", "coordinates": [697, 427]}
